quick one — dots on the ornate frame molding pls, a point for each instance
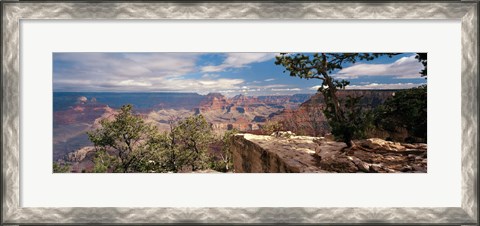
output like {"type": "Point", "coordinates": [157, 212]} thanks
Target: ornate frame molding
{"type": "Point", "coordinates": [14, 12]}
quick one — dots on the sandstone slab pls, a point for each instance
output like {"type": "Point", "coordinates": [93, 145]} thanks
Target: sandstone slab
{"type": "Point", "coordinates": [304, 154]}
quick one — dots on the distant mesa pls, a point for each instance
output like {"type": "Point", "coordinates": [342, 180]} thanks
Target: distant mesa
{"type": "Point", "coordinates": [213, 101]}
{"type": "Point", "coordinates": [369, 98]}
{"type": "Point", "coordinates": [82, 112]}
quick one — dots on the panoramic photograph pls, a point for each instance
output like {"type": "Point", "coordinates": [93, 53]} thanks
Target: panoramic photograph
{"type": "Point", "coordinates": [296, 112]}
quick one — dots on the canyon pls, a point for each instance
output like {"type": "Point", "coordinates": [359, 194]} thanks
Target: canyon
{"type": "Point", "coordinates": [313, 150]}
{"type": "Point", "coordinates": [76, 113]}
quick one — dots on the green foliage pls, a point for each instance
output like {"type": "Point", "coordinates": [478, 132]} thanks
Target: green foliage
{"type": "Point", "coordinates": [122, 137]}
{"type": "Point", "coordinates": [321, 64]}
{"type": "Point", "coordinates": [355, 120]}
{"type": "Point", "coordinates": [406, 109]}
{"type": "Point", "coordinates": [161, 154]}
{"type": "Point", "coordinates": [422, 58]}
{"type": "Point", "coordinates": [128, 144]}
{"type": "Point", "coordinates": [342, 115]}
{"type": "Point", "coordinates": [58, 168]}
{"type": "Point", "coordinates": [104, 162]}
{"type": "Point", "coordinates": [193, 136]}
{"type": "Point", "coordinates": [223, 161]}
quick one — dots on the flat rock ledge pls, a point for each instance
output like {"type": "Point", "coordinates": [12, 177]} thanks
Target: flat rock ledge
{"type": "Point", "coordinates": [304, 154]}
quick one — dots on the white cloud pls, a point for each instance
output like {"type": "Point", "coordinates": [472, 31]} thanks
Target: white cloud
{"type": "Point", "coordinates": [120, 71]}
{"type": "Point", "coordinates": [405, 67]}
{"type": "Point", "coordinates": [269, 79]}
{"type": "Point", "coordinates": [110, 66]}
{"type": "Point", "coordinates": [364, 85]}
{"type": "Point", "coordinates": [238, 60]}
{"type": "Point", "coordinates": [134, 72]}
{"type": "Point", "coordinates": [384, 86]}
{"type": "Point", "coordinates": [287, 89]}
{"type": "Point", "coordinates": [268, 86]}
{"type": "Point", "coordinates": [210, 76]}
{"type": "Point", "coordinates": [133, 83]}
{"type": "Point", "coordinates": [315, 87]}
{"type": "Point", "coordinates": [199, 84]}
{"type": "Point", "coordinates": [171, 64]}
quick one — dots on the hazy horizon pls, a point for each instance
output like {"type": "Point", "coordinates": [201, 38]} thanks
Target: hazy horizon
{"type": "Point", "coordinates": [204, 94]}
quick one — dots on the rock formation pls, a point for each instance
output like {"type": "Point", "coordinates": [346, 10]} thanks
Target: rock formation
{"type": "Point", "coordinates": [370, 98]}
{"type": "Point", "coordinates": [213, 101]}
{"type": "Point", "coordinates": [242, 112]}
{"type": "Point", "coordinates": [86, 112]}
{"type": "Point", "coordinates": [296, 154]}
{"type": "Point", "coordinates": [269, 154]}
{"type": "Point", "coordinates": [308, 118]}
{"type": "Point", "coordinates": [80, 155]}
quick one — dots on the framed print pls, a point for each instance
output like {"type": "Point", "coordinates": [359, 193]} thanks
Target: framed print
{"type": "Point", "coordinates": [241, 112]}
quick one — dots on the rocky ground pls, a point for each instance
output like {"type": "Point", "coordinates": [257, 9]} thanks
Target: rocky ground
{"type": "Point", "coordinates": [286, 152]}
{"type": "Point", "coordinates": [373, 155]}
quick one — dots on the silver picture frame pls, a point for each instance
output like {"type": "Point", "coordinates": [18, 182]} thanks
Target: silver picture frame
{"type": "Point", "coordinates": [13, 12]}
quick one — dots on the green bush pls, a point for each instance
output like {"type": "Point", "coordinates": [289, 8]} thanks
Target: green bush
{"type": "Point", "coordinates": [128, 144]}
{"type": "Point", "coordinates": [407, 109]}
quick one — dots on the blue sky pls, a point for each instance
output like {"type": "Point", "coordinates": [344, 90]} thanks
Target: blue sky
{"type": "Point", "coordinates": [228, 73]}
